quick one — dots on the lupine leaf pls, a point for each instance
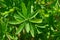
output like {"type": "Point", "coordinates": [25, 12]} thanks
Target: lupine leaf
{"type": "Point", "coordinates": [15, 22]}
{"type": "Point", "coordinates": [20, 29]}
{"type": "Point", "coordinates": [18, 17]}
{"type": "Point", "coordinates": [24, 9]}
{"type": "Point", "coordinates": [36, 20]}
{"type": "Point", "coordinates": [27, 27]}
{"type": "Point", "coordinates": [32, 30]}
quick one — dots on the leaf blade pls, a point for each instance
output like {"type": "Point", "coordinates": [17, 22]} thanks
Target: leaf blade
{"type": "Point", "coordinates": [27, 27]}
{"type": "Point", "coordinates": [36, 20]}
{"type": "Point", "coordinates": [20, 28]}
{"type": "Point", "coordinates": [24, 9]}
{"type": "Point", "coordinates": [32, 30]}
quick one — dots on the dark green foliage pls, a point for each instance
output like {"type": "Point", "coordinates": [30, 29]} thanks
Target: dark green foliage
{"type": "Point", "coordinates": [29, 20]}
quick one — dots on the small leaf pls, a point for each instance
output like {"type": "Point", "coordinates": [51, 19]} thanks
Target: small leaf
{"type": "Point", "coordinates": [5, 13]}
{"type": "Point", "coordinates": [39, 31]}
{"type": "Point", "coordinates": [20, 29]}
{"type": "Point", "coordinates": [32, 9]}
{"type": "Point", "coordinates": [9, 36]}
{"type": "Point", "coordinates": [27, 27]}
{"type": "Point", "coordinates": [16, 22]}
{"type": "Point", "coordinates": [46, 15]}
{"type": "Point", "coordinates": [11, 10]}
{"type": "Point", "coordinates": [36, 20]}
{"type": "Point", "coordinates": [40, 26]}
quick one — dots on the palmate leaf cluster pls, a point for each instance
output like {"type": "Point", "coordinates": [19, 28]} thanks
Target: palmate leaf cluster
{"type": "Point", "coordinates": [29, 20]}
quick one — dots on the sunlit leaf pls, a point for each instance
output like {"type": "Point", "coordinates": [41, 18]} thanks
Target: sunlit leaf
{"type": "Point", "coordinates": [39, 31]}
{"type": "Point", "coordinates": [7, 12]}
{"type": "Point", "coordinates": [32, 30]}
{"type": "Point", "coordinates": [16, 22]}
{"type": "Point", "coordinates": [27, 27]}
{"type": "Point", "coordinates": [36, 20]}
{"type": "Point", "coordinates": [20, 29]}
{"type": "Point", "coordinates": [46, 15]}
{"type": "Point", "coordinates": [40, 26]}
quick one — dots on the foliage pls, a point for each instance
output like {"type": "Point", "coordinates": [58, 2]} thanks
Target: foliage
{"type": "Point", "coordinates": [29, 20]}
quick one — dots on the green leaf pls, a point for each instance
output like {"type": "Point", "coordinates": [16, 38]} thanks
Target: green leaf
{"type": "Point", "coordinates": [34, 15]}
{"type": "Point", "coordinates": [36, 20]}
{"type": "Point", "coordinates": [21, 15]}
{"type": "Point", "coordinates": [39, 31]}
{"type": "Point", "coordinates": [29, 8]}
{"type": "Point", "coordinates": [32, 30]}
{"type": "Point", "coordinates": [20, 29]}
{"type": "Point", "coordinates": [3, 28]}
{"type": "Point", "coordinates": [32, 9]}
{"type": "Point", "coordinates": [27, 27]}
{"type": "Point", "coordinates": [24, 9]}
{"type": "Point", "coordinates": [7, 12]}
{"type": "Point", "coordinates": [18, 17]}
{"type": "Point", "coordinates": [9, 36]}
{"type": "Point", "coordinates": [2, 4]}
{"type": "Point", "coordinates": [40, 26]}
{"type": "Point", "coordinates": [46, 15]}
{"type": "Point", "coordinates": [16, 22]}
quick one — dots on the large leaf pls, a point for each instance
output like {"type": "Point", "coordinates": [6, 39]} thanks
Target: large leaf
{"type": "Point", "coordinates": [24, 9]}
{"type": "Point", "coordinates": [32, 30]}
{"type": "Point", "coordinates": [29, 8]}
{"type": "Point", "coordinates": [20, 29]}
{"type": "Point", "coordinates": [27, 27]}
